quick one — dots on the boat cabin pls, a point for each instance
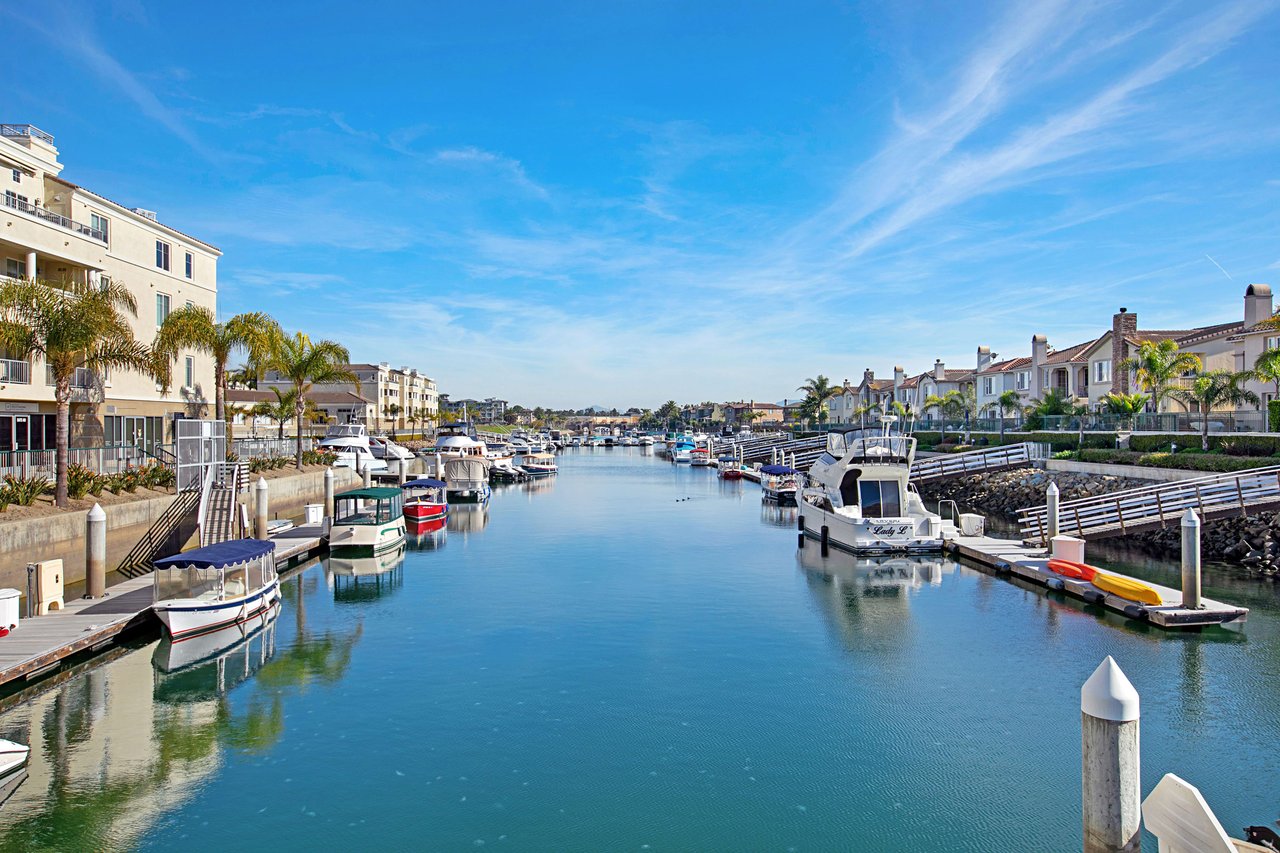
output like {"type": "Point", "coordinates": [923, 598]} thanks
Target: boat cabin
{"type": "Point", "coordinates": [217, 572]}
{"type": "Point", "coordinates": [374, 505]}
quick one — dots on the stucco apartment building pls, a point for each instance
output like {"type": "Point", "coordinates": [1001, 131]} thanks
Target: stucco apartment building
{"type": "Point", "coordinates": [58, 231]}
{"type": "Point", "coordinates": [380, 387]}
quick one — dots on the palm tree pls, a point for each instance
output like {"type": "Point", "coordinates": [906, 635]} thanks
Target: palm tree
{"type": "Point", "coordinates": [72, 327]}
{"type": "Point", "coordinates": [1267, 369]}
{"type": "Point", "coordinates": [195, 328]}
{"type": "Point", "coordinates": [303, 362]}
{"type": "Point", "coordinates": [1124, 405]}
{"type": "Point", "coordinates": [281, 411]}
{"type": "Point", "coordinates": [819, 389]}
{"type": "Point", "coordinates": [393, 412]}
{"type": "Point", "coordinates": [1156, 366]}
{"type": "Point", "coordinates": [1212, 389]}
{"type": "Point", "coordinates": [933, 401]}
{"type": "Point", "coordinates": [1006, 401]}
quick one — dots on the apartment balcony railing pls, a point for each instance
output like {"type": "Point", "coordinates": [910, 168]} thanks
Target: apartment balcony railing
{"type": "Point", "coordinates": [14, 371]}
{"type": "Point", "coordinates": [55, 218]}
{"type": "Point", "coordinates": [83, 378]}
{"type": "Point", "coordinates": [25, 130]}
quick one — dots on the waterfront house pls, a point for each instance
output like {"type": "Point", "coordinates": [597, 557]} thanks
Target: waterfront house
{"type": "Point", "coordinates": [59, 231]}
{"type": "Point", "coordinates": [339, 407]}
{"type": "Point", "coordinates": [770, 413]}
{"type": "Point", "coordinates": [939, 382]}
{"type": "Point", "coordinates": [406, 389]}
{"type": "Point", "coordinates": [1252, 341]}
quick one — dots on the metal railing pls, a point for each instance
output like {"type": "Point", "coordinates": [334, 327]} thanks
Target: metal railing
{"type": "Point", "coordinates": [25, 130]}
{"type": "Point", "coordinates": [1143, 508]}
{"type": "Point", "coordinates": [15, 371]}
{"type": "Point", "coordinates": [248, 448]}
{"type": "Point", "coordinates": [977, 461]}
{"type": "Point", "coordinates": [111, 459]}
{"type": "Point", "coordinates": [56, 218]}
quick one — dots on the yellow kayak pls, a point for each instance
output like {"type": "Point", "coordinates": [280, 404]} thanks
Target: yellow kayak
{"type": "Point", "coordinates": [1126, 588]}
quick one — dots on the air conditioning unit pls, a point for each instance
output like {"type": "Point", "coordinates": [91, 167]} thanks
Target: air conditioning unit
{"type": "Point", "coordinates": [145, 214]}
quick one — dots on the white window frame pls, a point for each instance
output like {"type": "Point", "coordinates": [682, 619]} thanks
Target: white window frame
{"type": "Point", "coordinates": [190, 267]}
{"type": "Point", "coordinates": [98, 222]}
{"type": "Point", "coordinates": [1271, 343]}
{"type": "Point", "coordinates": [1022, 380]}
{"type": "Point", "coordinates": [163, 254]}
{"type": "Point", "coordinates": [167, 301]}
{"type": "Point", "coordinates": [17, 176]}
{"type": "Point", "coordinates": [190, 366]}
{"type": "Point", "coordinates": [1102, 370]}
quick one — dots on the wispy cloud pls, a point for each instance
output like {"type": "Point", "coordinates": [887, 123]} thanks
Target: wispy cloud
{"type": "Point", "coordinates": [472, 157]}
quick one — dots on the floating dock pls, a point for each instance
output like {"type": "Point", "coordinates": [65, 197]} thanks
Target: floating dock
{"type": "Point", "coordinates": [43, 644]}
{"type": "Point", "coordinates": [1006, 557]}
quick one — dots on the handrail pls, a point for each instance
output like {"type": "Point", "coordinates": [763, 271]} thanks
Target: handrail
{"type": "Point", "coordinates": [206, 489]}
{"type": "Point", "coordinates": [56, 218]}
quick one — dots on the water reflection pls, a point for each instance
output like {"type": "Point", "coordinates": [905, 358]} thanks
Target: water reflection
{"type": "Point", "coordinates": [773, 515]}
{"type": "Point", "coordinates": [170, 656]}
{"type": "Point", "coordinates": [427, 535]}
{"type": "Point", "coordinates": [468, 518]}
{"type": "Point", "coordinates": [360, 579]}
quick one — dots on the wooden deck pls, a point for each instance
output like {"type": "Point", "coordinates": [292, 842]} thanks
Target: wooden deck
{"type": "Point", "coordinates": [1009, 558]}
{"type": "Point", "coordinates": [44, 644]}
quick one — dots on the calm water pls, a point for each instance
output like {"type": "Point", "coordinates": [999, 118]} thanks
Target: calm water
{"type": "Point", "coordinates": [633, 657]}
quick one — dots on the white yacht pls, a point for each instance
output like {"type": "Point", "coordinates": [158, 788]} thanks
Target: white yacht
{"type": "Point", "coordinates": [386, 449]}
{"type": "Point", "coordinates": [458, 441]}
{"type": "Point", "coordinates": [355, 454]}
{"type": "Point", "coordinates": [859, 490]}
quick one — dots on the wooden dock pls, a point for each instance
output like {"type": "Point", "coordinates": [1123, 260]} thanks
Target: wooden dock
{"type": "Point", "coordinates": [1009, 558]}
{"type": "Point", "coordinates": [44, 644]}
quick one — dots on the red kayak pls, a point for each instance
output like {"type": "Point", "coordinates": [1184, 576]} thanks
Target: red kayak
{"type": "Point", "coordinates": [1071, 569]}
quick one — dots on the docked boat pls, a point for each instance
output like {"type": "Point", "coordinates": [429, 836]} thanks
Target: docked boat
{"type": "Point", "coordinates": [779, 484]}
{"type": "Point", "coordinates": [170, 656]}
{"type": "Point", "coordinates": [387, 450]}
{"type": "Point", "coordinates": [354, 454]}
{"type": "Point", "coordinates": [458, 441]}
{"type": "Point", "coordinates": [369, 520]}
{"type": "Point", "coordinates": [729, 469]}
{"type": "Point", "coordinates": [645, 441]}
{"type": "Point", "coordinates": [700, 456]}
{"type": "Point", "coordinates": [424, 500]}
{"type": "Point", "coordinates": [859, 493]}
{"type": "Point", "coordinates": [467, 480]}
{"type": "Point", "coordinates": [13, 760]}
{"type": "Point", "coordinates": [214, 587]}
{"type": "Point", "coordinates": [539, 464]}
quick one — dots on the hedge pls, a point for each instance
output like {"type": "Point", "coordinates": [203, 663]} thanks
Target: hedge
{"type": "Point", "coordinates": [1233, 444]}
{"type": "Point", "coordinates": [1211, 463]}
{"type": "Point", "coordinates": [1056, 440]}
{"type": "Point", "coordinates": [1273, 416]}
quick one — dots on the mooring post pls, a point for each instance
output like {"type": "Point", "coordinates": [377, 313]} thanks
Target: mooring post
{"type": "Point", "coordinates": [404, 471]}
{"type": "Point", "coordinates": [1110, 792]}
{"type": "Point", "coordinates": [368, 476]}
{"type": "Point", "coordinates": [1191, 560]}
{"type": "Point", "coordinates": [95, 553]}
{"type": "Point", "coordinates": [1051, 513]}
{"type": "Point", "coordinates": [775, 455]}
{"type": "Point", "coordinates": [328, 493]}
{"type": "Point", "coordinates": [260, 509]}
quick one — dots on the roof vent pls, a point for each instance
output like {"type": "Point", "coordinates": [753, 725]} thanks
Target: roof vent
{"type": "Point", "coordinates": [145, 214]}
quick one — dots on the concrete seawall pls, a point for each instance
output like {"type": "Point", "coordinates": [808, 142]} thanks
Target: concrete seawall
{"type": "Point", "coordinates": [62, 535]}
{"type": "Point", "coordinates": [1132, 472]}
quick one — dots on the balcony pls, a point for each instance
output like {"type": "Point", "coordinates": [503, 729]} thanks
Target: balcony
{"type": "Point", "coordinates": [83, 378]}
{"type": "Point", "coordinates": [58, 219]}
{"type": "Point", "coordinates": [26, 130]}
{"type": "Point", "coordinates": [15, 372]}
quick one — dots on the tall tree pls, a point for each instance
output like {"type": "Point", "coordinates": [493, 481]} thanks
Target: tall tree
{"type": "Point", "coordinates": [304, 362]}
{"type": "Point", "coordinates": [1006, 402]}
{"type": "Point", "coordinates": [72, 326]}
{"type": "Point", "coordinates": [1215, 388]}
{"type": "Point", "coordinates": [1267, 369]}
{"type": "Point", "coordinates": [195, 328]}
{"type": "Point", "coordinates": [819, 390]}
{"type": "Point", "coordinates": [281, 411]}
{"type": "Point", "coordinates": [1157, 366]}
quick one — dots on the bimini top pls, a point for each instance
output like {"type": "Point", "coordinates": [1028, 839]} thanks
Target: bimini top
{"type": "Point", "coordinates": [219, 556]}
{"type": "Point", "coordinates": [374, 493]}
{"type": "Point", "coordinates": [424, 484]}
{"type": "Point", "coordinates": [778, 469]}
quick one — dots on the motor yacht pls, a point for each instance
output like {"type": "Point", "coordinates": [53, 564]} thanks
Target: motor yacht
{"type": "Point", "coordinates": [859, 492]}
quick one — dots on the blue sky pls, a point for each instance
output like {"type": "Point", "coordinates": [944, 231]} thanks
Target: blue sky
{"type": "Point", "coordinates": [619, 203]}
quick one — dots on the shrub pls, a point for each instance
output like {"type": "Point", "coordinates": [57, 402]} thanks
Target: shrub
{"type": "Point", "coordinates": [1065, 454]}
{"type": "Point", "coordinates": [1110, 457]}
{"type": "Point", "coordinates": [1208, 463]}
{"type": "Point", "coordinates": [1246, 447]}
{"type": "Point", "coordinates": [79, 480]}
{"type": "Point", "coordinates": [100, 482]}
{"type": "Point", "coordinates": [1273, 416]}
{"type": "Point", "coordinates": [24, 490]}
{"type": "Point", "coordinates": [5, 499]}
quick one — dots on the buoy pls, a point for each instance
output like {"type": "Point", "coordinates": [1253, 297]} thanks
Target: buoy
{"type": "Point", "coordinates": [1135, 611]}
{"type": "Point", "coordinates": [1055, 583]}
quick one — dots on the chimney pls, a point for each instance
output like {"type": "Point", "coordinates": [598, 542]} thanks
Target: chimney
{"type": "Point", "coordinates": [1257, 304]}
{"type": "Point", "coordinates": [1122, 325]}
{"type": "Point", "coordinates": [939, 370]}
{"type": "Point", "coordinates": [984, 358]}
{"type": "Point", "coordinates": [867, 376]}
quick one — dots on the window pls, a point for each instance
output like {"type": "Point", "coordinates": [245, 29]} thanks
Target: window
{"type": "Point", "coordinates": [14, 268]}
{"type": "Point", "coordinates": [1022, 379]}
{"type": "Point", "coordinates": [162, 308]}
{"type": "Point", "coordinates": [162, 255]}
{"type": "Point", "coordinates": [1271, 343]}
{"type": "Point", "coordinates": [1102, 371]}
{"type": "Point", "coordinates": [988, 386]}
{"type": "Point", "coordinates": [99, 224]}
{"type": "Point", "coordinates": [15, 200]}
{"type": "Point", "coordinates": [191, 372]}
{"type": "Point", "coordinates": [879, 498]}
{"type": "Point", "coordinates": [190, 304]}
{"type": "Point", "coordinates": [191, 265]}
{"type": "Point", "coordinates": [17, 176]}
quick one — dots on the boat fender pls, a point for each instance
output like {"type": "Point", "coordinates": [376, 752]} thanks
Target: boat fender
{"type": "Point", "coordinates": [800, 541]}
{"type": "Point", "coordinates": [1094, 596]}
{"type": "Point", "coordinates": [1135, 611]}
{"type": "Point", "coordinates": [1003, 568]}
{"type": "Point", "coordinates": [1055, 584]}
{"type": "Point", "coordinates": [800, 522]}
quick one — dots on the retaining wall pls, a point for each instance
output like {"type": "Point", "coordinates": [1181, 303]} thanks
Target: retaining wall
{"type": "Point", "coordinates": [1133, 472]}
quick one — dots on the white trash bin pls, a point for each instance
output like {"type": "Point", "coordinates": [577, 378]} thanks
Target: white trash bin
{"type": "Point", "coordinates": [313, 513]}
{"type": "Point", "coordinates": [9, 608]}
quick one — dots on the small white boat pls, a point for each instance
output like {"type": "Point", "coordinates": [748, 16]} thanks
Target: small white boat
{"type": "Point", "coordinates": [214, 587]}
{"type": "Point", "coordinates": [860, 492]}
{"type": "Point", "coordinates": [467, 480]}
{"type": "Point", "coordinates": [369, 520]}
{"type": "Point", "coordinates": [354, 454]}
{"type": "Point", "coordinates": [645, 441]}
{"type": "Point", "coordinates": [387, 450]}
{"type": "Point", "coordinates": [539, 464]}
{"type": "Point", "coordinates": [171, 656]}
{"type": "Point", "coordinates": [779, 484]}
{"type": "Point", "coordinates": [13, 759]}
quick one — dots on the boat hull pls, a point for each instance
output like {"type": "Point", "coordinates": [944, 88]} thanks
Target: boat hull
{"type": "Point", "coordinates": [187, 618]}
{"type": "Point", "coordinates": [781, 497]}
{"type": "Point", "coordinates": [904, 535]}
{"type": "Point", "coordinates": [417, 512]}
{"type": "Point", "coordinates": [367, 538]}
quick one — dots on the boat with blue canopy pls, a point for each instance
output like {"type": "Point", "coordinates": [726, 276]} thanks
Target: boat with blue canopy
{"type": "Point", "coordinates": [424, 500]}
{"type": "Point", "coordinates": [215, 587]}
{"type": "Point", "coordinates": [778, 483]}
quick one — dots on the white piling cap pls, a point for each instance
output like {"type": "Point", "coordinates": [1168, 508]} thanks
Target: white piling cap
{"type": "Point", "coordinates": [1109, 695]}
{"type": "Point", "coordinates": [1052, 490]}
{"type": "Point", "coordinates": [1190, 519]}
{"type": "Point", "coordinates": [97, 513]}
{"type": "Point", "coordinates": [261, 484]}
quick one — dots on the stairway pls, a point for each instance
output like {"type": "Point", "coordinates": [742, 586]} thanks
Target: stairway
{"type": "Point", "coordinates": [221, 517]}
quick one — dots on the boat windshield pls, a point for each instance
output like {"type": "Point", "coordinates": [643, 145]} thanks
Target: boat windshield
{"type": "Point", "coordinates": [879, 498]}
{"type": "Point", "coordinates": [883, 448]}
{"type": "Point", "coordinates": [361, 509]}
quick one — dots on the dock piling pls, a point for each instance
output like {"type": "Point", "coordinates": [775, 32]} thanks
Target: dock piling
{"type": "Point", "coordinates": [1051, 513]}
{"type": "Point", "coordinates": [368, 476]}
{"type": "Point", "coordinates": [1110, 790]}
{"type": "Point", "coordinates": [260, 509]}
{"type": "Point", "coordinates": [1191, 560]}
{"type": "Point", "coordinates": [328, 493]}
{"type": "Point", "coordinates": [95, 553]}
{"type": "Point", "coordinates": [403, 471]}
